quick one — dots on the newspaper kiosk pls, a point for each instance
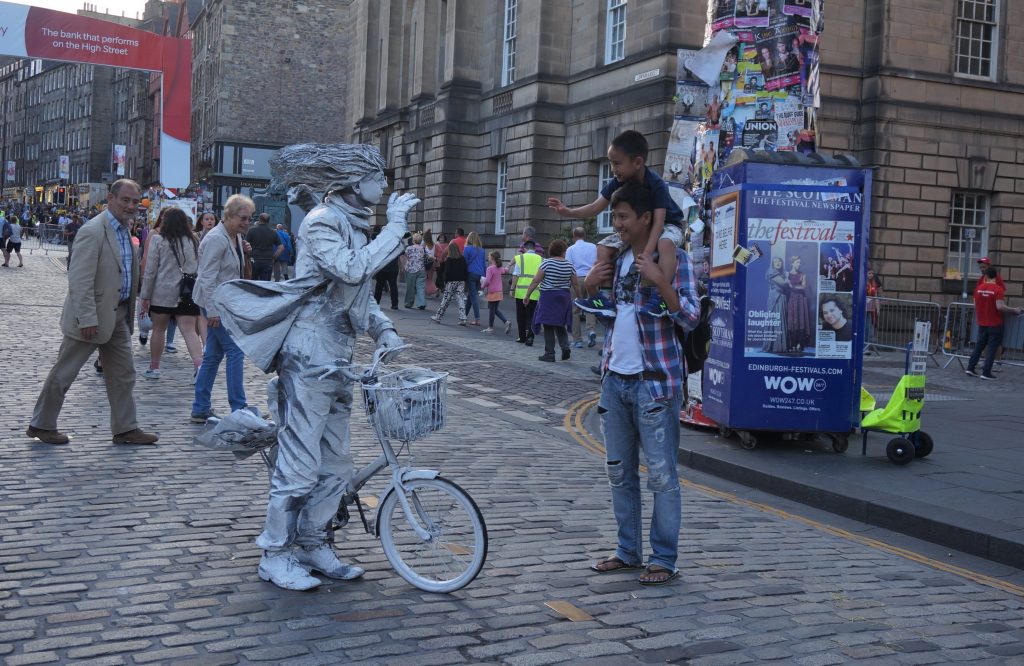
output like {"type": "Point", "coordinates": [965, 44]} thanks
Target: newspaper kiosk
{"type": "Point", "coordinates": [787, 262]}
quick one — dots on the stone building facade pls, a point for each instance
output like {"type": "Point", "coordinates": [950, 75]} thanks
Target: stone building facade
{"type": "Point", "coordinates": [264, 76]}
{"type": "Point", "coordinates": [486, 109]}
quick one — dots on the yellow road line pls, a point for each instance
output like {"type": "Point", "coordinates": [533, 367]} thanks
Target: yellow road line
{"type": "Point", "coordinates": [574, 426]}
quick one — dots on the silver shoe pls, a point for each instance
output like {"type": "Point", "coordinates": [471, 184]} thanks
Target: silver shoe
{"type": "Point", "coordinates": [281, 568]}
{"type": "Point", "coordinates": [323, 560]}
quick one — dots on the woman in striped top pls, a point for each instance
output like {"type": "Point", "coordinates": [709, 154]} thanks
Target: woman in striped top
{"type": "Point", "coordinates": [554, 310]}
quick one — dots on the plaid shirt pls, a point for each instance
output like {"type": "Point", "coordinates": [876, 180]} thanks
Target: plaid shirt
{"type": "Point", "coordinates": [124, 241]}
{"type": "Point", "coordinates": [660, 346]}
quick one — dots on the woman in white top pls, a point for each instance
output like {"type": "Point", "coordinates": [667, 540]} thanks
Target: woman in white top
{"type": "Point", "coordinates": [173, 257]}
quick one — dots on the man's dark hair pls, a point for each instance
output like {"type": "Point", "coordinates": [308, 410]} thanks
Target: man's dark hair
{"type": "Point", "coordinates": [264, 218]}
{"type": "Point", "coordinates": [529, 244]}
{"type": "Point", "coordinates": [637, 196]}
{"type": "Point", "coordinates": [632, 143]}
{"type": "Point", "coordinates": [838, 303]}
{"type": "Point", "coordinates": [991, 273]}
{"type": "Point", "coordinates": [460, 232]}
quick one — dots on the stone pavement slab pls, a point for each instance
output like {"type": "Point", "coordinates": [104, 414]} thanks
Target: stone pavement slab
{"type": "Point", "coordinates": [146, 555]}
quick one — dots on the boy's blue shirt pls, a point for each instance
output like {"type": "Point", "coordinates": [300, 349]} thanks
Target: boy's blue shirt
{"type": "Point", "coordinates": [659, 189]}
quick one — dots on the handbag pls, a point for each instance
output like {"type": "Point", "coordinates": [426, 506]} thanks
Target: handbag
{"type": "Point", "coordinates": [187, 284]}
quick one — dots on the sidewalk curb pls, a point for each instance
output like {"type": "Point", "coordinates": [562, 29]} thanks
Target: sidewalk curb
{"type": "Point", "coordinates": [969, 534]}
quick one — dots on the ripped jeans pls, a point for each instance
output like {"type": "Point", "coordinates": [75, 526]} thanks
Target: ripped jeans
{"type": "Point", "coordinates": [632, 420]}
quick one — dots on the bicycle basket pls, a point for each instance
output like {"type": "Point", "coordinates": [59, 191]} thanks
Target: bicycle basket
{"type": "Point", "coordinates": [408, 404]}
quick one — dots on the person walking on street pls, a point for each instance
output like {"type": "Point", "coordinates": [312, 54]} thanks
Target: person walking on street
{"type": "Point", "coordinates": [266, 248]}
{"type": "Point", "coordinates": [582, 254]}
{"type": "Point", "coordinates": [12, 241]}
{"type": "Point", "coordinates": [989, 306]}
{"type": "Point", "coordinates": [494, 290]}
{"type": "Point", "coordinates": [415, 273]}
{"type": "Point", "coordinates": [98, 314]}
{"type": "Point", "coordinates": [476, 266]}
{"type": "Point", "coordinates": [454, 284]}
{"type": "Point", "coordinates": [388, 276]}
{"type": "Point", "coordinates": [172, 258]}
{"type": "Point", "coordinates": [643, 370]}
{"type": "Point", "coordinates": [524, 269]}
{"type": "Point", "coordinates": [557, 282]}
{"type": "Point", "coordinates": [221, 258]}
{"type": "Point", "coordinates": [429, 262]}
{"type": "Point", "coordinates": [287, 256]}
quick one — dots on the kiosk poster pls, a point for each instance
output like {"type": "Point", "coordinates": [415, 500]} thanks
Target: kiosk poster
{"type": "Point", "coordinates": [799, 304]}
{"type": "Point", "coordinates": [723, 228]}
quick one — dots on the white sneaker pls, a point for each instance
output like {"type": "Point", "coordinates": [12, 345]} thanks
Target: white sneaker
{"type": "Point", "coordinates": [322, 559]}
{"type": "Point", "coordinates": [282, 569]}
{"type": "Point", "coordinates": [170, 349]}
{"type": "Point", "coordinates": [151, 374]}
{"type": "Point", "coordinates": [488, 330]}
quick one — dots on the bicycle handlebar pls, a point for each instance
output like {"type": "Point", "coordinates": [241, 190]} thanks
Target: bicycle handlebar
{"type": "Point", "coordinates": [345, 369]}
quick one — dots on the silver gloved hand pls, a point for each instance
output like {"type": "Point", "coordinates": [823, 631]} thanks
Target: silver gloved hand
{"type": "Point", "coordinates": [399, 206]}
{"type": "Point", "coordinates": [389, 340]}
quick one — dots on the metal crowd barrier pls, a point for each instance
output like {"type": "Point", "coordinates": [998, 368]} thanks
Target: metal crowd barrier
{"type": "Point", "coordinates": [960, 335]}
{"type": "Point", "coordinates": [894, 326]}
{"type": "Point", "coordinates": [45, 238]}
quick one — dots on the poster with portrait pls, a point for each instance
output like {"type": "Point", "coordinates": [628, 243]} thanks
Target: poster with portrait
{"type": "Point", "coordinates": [789, 115]}
{"type": "Point", "coordinates": [760, 134]}
{"type": "Point", "coordinates": [118, 158]}
{"type": "Point", "coordinates": [11, 171]}
{"type": "Point", "coordinates": [723, 15]}
{"type": "Point", "coordinates": [691, 100]}
{"type": "Point", "coordinates": [752, 14]}
{"type": "Point", "coordinates": [786, 311]}
{"type": "Point", "coordinates": [778, 54]}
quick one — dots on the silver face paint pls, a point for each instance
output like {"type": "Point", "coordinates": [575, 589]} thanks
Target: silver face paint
{"type": "Point", "coordinates": [311, 321]}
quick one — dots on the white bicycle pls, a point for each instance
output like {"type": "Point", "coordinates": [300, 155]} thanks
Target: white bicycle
{"type": "Point", "coordinates": [431, 530]}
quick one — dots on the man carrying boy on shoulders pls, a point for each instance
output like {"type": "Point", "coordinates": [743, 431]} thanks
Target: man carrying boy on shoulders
{"type": "Point", "coordinates": [642, 385]}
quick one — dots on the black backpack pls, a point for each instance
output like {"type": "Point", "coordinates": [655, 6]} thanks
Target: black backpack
{"type": "Point", "coordinates": [697, 343]}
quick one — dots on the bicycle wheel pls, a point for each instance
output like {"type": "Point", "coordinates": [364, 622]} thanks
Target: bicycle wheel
{"type": "Point", "coordinates": [454, 553]}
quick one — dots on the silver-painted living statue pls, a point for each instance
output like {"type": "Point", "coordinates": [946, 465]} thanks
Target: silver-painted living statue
{"type": "Point", "coordinates": [307, 322]}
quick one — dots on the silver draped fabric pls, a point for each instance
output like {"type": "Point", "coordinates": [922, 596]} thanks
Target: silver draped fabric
{"type": "Point", "coordinates": [299, 324]}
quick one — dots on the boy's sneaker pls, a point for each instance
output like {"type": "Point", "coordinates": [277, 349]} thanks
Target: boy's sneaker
{"type": "Point", "coordinates": [600, 305]}
{"type": "Point", "coordinates": [152, 373]}
{"type": "Point", "coordinates": [988, 376]}
{"type": "Point", "coordinates": [657, 308]}
{"type": "Point", "coordinates": [487, 330]}
{"type": "Point", "coordinates": [142, 340]}
{"type": "Point", "coordinates": [970, 372]}
{"type": "Point", "coordinates": [170, 349]}
{"type": "Point", "coordinates": [591, 339]}
{"type": "Point", "coordinates": [578, 344]}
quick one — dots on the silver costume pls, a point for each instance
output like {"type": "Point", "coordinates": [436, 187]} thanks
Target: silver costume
{"type": "Point", "coordinates": [310, 321]}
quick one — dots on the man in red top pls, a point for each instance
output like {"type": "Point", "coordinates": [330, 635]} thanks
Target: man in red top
{"type": "Point", "coordinates": [989, 306]}
{"type": "Point", "coordinates": [460, 239]}
{"type": "Point", "coordinates": [985, 263]}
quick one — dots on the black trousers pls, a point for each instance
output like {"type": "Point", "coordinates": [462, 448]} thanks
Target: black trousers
{"type": "Point", "coordinates": [524, 319]}
{"type": "Point", "coordinates": [262, 269]}
{"type": "Point", "coordinates": [392, 281]}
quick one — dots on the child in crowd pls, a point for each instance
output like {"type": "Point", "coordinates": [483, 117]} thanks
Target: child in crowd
{"type": "Point", "coordinates": [494, 290]}
{"type": "Point", "coordinates": [628, 157]}
{"type": "Point", "coordinates": [642, 385]}
{"type": "Point", "coordinates": [555, 277]}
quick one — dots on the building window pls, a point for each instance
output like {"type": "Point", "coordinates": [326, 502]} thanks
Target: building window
{"type": "Point", "coordinates": [968, 233]}
{"type": "Point", "coordinates": [615, 32]}
{"type": "Point", "coordinates": [508, 49]}
{"type": "Point", "coordinates": [604, 218]}
{"type": "Point", "coordinates": [501, 197]}
{"type": "Point", "coordinates": [976, 35]}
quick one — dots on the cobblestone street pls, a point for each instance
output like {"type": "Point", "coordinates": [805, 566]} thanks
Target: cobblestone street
{"type": "Point", "coordinates": [145, 555]}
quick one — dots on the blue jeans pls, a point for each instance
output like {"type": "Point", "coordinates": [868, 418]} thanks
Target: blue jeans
{"type": "Point", "coordinates": [632, 420]}
{"type": "Point", "coordinates": [218, 345]}
{"type": "Point", "coordinates": [472, 289]}
{"type": "Point", "coordinates": [172, 328]}
{"type": "Point", "coordinates": [991, 337]}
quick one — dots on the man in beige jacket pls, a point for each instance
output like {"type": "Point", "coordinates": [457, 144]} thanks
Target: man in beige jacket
{"type": "Point", "coordinates": [98, 314]}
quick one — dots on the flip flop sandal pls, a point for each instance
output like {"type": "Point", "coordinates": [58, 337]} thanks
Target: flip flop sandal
{"type": "Point", "coordinates": [613, 564]}
{"type": "Point", "coordinates": [655, 570]}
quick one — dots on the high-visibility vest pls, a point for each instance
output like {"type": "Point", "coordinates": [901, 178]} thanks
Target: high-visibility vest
{"type": "Point", "coordinates": [528, 264]}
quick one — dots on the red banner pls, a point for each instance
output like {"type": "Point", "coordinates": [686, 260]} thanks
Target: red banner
{"type": "Point", "coordinates": [34, 32]}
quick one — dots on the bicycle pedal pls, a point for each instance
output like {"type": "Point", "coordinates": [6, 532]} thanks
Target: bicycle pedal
{"type": "Point", "coordinates": [342, 517]}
